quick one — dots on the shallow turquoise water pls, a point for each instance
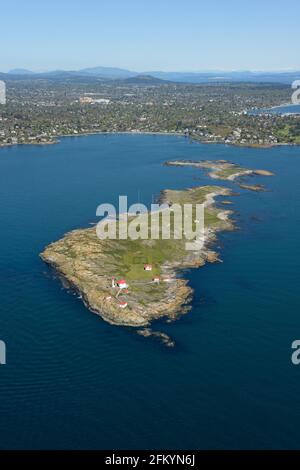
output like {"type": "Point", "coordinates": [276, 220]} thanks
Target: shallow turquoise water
{"type": "Point", "coordinates": [73, 381]}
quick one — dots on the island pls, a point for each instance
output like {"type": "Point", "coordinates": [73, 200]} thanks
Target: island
{"type": "Point", "coordinates": [258, 188]}
{"type": "Point", "coordinates": [133, 282]}
{"type": "Point", "coordinates": [221, 169]}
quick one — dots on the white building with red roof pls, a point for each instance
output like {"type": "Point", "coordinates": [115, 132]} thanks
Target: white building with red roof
{"type": "Point", "coordinates": [122, 284]}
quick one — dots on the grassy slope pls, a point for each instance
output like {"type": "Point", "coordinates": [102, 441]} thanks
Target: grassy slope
{"type": "Point", "coordinates": [126, 258]}
{"type": "Point", "coordinates": [131, 255]}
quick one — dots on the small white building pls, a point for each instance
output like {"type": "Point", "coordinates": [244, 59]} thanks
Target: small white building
{"type": "Point", "coordinates": [122, 284]}
{"type": "Point", "coordinates": [123, 304]}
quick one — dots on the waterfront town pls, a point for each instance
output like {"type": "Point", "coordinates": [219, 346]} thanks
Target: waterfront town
{"type": "Point", "coordinates": [39, 111]}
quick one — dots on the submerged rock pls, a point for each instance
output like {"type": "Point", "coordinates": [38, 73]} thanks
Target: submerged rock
{"type": "Point", "coordinates": [163, 337]}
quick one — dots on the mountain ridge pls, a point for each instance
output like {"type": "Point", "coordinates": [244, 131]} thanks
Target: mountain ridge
{"type": "Point", "coordinates": [115, 73]}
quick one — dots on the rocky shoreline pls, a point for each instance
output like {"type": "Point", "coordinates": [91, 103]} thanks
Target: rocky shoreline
{"type": "Point", "coordinates": [220, 169]}
{"type": "Point", "coordinates": [85, 264]}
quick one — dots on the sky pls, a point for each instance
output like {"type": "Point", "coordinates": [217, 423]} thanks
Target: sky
{"type": "Point", "coordinates": [148, 35]}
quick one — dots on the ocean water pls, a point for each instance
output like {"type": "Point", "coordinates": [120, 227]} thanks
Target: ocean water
{"type": "Point", "coordinates": [74, 382]}
{"type": "Point", "coordinates": [284, 109]}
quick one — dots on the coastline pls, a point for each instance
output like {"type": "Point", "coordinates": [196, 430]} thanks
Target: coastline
{"type": "Point", "coordinates": [57, 140]}
{"type": "Point", "coordinates": [160, 133]}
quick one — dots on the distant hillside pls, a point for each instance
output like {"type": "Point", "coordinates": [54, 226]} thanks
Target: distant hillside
{"type": "Point", "coordinates": [219, 76]}
{"type": "Point", "coordinates": [98, 73]}
{"type": "Point", "coordinates": [21, 72]}
{"type": "Point", "coordinates": [114, 74]}
{"type": "Point", "coordinates": [108, 72]}
{"type": "Point", "coordinates": [145, 80]}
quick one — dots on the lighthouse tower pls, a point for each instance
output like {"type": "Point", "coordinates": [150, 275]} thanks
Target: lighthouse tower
{"type": "Point", "coordinates": [113, 284]}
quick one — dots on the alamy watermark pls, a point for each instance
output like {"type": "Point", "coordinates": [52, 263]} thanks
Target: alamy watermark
{"type": "Point", "coordinates": [2, 353]}
{"type": "Point", "coordinates": [296, 94]}
{"type": "Point", "coordinates": [295, 358]}
{"type": "Point", "coordinates": [161, 222]}
{"type": "Point", "coordinates": [2, 92]}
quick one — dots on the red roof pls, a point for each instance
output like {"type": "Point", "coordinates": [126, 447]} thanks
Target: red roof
{"type": "Point", "coordinates": [122, 281]}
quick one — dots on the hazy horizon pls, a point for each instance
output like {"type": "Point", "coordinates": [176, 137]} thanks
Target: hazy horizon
{"type": "Point", "coordinates": [79, 68]}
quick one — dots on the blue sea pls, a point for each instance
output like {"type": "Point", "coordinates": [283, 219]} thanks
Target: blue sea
{"type": "Point", "coordinates": [73, 381]}
{"type": "Point", "coordinates": [283, 110]}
